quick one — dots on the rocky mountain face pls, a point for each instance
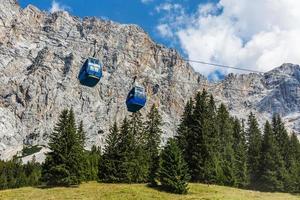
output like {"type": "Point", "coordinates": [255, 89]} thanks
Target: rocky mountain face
{"type": "Point", "coordinates": [40, 58]}
{"type": "Point", "coordinates": [41, 55]}
{"type": "Point", "coordinates": [277, 91]}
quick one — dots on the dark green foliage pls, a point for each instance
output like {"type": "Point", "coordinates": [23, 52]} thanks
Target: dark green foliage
{"type": "Point", "coordinates": [135, 165]}
{"type": "Point", "coordinates": [206, 140]}
{"type": "Point", "coordinates": [14, 175]}
{"type": "Point", "coordinates": [126, 149]}
{"type": "Point", "coordinates": [226, 149]}
{"type": "Point", "coordinates": [125, 158]}
{"type": "Point", "coordinates": [281, 135]}
{"type": "Point", "coordinates": [64, 163]}
{"type": "Point", "coordinates": [91, 168]}
{"type": "Point", "coordinates": [184, 130]}
{"type": "Point", "coordinates": [110, 165]}
{"type": "Point", "coordinates": [272, 170]}
{"type": "Point", "coordinates": [293, 165]}
{"type": "Point", "coordinates": [153, 134]}
{"type": "Point", "coordinates": [174, 175]}
{"type": "Point", "coordinates": [254, 139]}
{"type": "Point", "coordinates": [29, 150]}
{"type": "Point", "coordinates": [81, 134]}
{"type": "Point", "coordinates": [197, 151]}
{"type": "Point", "coordinates": [193, 137]}
{"type": "Point", "coordinates": [240, 150]}
{"type": "Point", "coordinates": [91, 159]}
{"type": "Point", "coordinates": [210, 145]}
{"type": "Point", "coordinates": [212, 165]}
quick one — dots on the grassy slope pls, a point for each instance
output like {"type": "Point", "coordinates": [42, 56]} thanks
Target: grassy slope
{"type": "Point", "coordinates": [95, 190]}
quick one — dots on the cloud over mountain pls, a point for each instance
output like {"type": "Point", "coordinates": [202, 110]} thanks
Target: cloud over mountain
{"type": "Point", "coordinates": [256, 34]}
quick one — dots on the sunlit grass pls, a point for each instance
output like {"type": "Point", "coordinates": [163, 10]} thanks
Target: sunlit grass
{"type": "Point", "coordinates": [94, 190]}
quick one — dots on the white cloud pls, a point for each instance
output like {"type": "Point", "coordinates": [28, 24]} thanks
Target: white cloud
{"type": "Point", "coordinates": [168, 7]}
{"type": "Point", "coordinates": [256, 34]}
{"type": "Point", "coordinates": [174, 15]}
{"type": "Point", "coordinates": [56, 6]}
{"type": "Point", "coordinates": [165, 30]}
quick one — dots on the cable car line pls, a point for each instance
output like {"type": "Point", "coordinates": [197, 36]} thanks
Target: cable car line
{"type": "Point", "coordinates": [172, 81]}
{"type": "Point", "coordinates": [142, 52]}
{"type": "Point", "coordinates": [91, 71]}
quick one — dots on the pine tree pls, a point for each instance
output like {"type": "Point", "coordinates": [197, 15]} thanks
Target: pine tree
{"type": "Point", "coordinates": [281, 135]}
{"type": "Point", "coordinates": [84, 156]}
{"type": "Point", "coordinates": [212, 163]}
{"type": "Point", "coordinates": [184, 129]}
{"type": "Point", "coordinates": [110, 165]}
{"type": "Point", "coordinates": [81, 133]}
{"type": "Point", "coordinates": [293, 165]}
{"type": "Point", "coordinates": [173, 169]}
{"type": "Point", "coordinates": [226, 137]}
{"type": "Point", "coordinates": [64, 163]}
{"type": "Point", "coordinates": [76, 151]}
{"type": "Point", "coordinates": [3, 181]}
{"type": "Point", "coordinates": [11, 171]}
{"type": "Point", "coordinates": [14, 174]}
{"type": "Point", "coordinates": [254, 139]}
{"type": "Point", "coordinates": [19, 173]}
{"type": "Point", "coordinates": [33, 172]}
{"type": "Point", "coordinates": [282, 140]}
{"type": "Point", "coordinates": [240, 151]}
{"type": "Point", "coordinates": [271, 165]}
{"type": "Point", "coordinates": [133, 157]}
{"type": "Point", "coordinates": [137, 162]}
{"type": "Point", "coordinates": [92, 162]}
{"type": "Point", "coordinates": [126, 148]}
{"type": "Point", "coordinates": [197, 151]}
{"type": "Point", "coordinates": [153, 134]}
{"type": "Point", "coordinates": [198, 138]}
{"type": "Point", "coordinates": [53, 169]}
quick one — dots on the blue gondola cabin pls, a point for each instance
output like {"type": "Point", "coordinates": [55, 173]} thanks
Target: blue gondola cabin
{"type": "Point", "coordinates": [90, 73]}
{"type": "Point", "coordinates": [136, 99]}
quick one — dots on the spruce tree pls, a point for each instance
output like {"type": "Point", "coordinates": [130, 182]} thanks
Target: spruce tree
{"type": "Point", "coordinates": [281, 135]}
{"type": "Point", "coordinates": [226, 150]}
{"type": "Point", "coordinates": [196, 148]}
{"type": "Point", "coordinates": [240, 151]}
{"type": "Point", "coordinates": [3, 181]}
{"type": "Point", "coordinates": [54, 170]}
{"type": "Point", "coordinates": [254, 140]}
{"type": "Point", "coordinates": [153, 134]}
{"type": "Point", "coordinates": [271, 165]}
{"type": "Point", "coordinates": [282, 139]}
{"type": "Point", "coordinates": [184, 129]}
{"type": "Point", "coordinates": [212, 163]}
{"type": "Point", "coordinates": [33, 172]}
{"type": "Point", "coordinates": [81, 133]}
{"type": "Point", "coordinates": [133, 156]}
{"type": "Point", "coordinates": [126, 149]}
{"type": "Point", "coordinates": [293, 165]}
{"type": "Point", "coordinates": [75, 142]}
{"type": "Point", "coordinates": [198, 138]}
{"type": "Point", "coordinates": [174, 175]}
{"type": "Point", "coordinates": [110, 165]}
{"type": "Point", "coordinates": [93, 159]}
{"type": "Point", "coordinates": [64, 162]}
{"type": "Point", "coordinates": [138, 159]}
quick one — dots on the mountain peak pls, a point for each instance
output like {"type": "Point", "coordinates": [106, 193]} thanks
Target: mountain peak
{"type": "Point", "coordinates": [286, 68]}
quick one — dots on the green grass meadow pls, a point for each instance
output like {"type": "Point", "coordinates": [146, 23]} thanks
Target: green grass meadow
{"type": "Point", "coordinates": [94, 190]}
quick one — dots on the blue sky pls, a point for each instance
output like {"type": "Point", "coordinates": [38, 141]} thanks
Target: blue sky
{"type": "Point", "coordinates": [253, 34]}
{"type": "Point", "coordinates": [144, 13]}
